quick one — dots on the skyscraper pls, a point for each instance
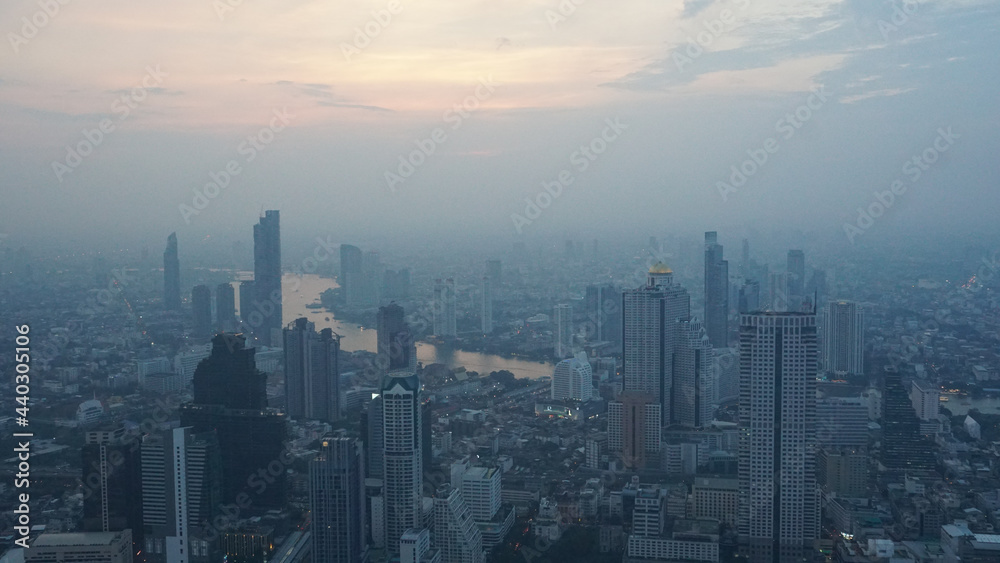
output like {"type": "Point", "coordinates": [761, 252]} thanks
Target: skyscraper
{"type": "Point", "coordinates": [181, 489]}
{"type": "Point", "coordinates": [844, 338]}
{"type": "Point", "coordinates": [444, 308]}
{"type": "Point", "coordinates": [171, 275]}
{"type": "Point", "coordinates": [716, 292]}
{"type": "Point", "coordinates": [573, 379]}
{"type": "Point", "coordinates": [201, 309]}
{"type": "Point", "coordinates": [796, 278]}
{"type": "Point", "coordinates": [604, 314]}
{"type": "Point", "coordinates": [337, 501]}
{"type": "Point", "coordinates": [904, 448]}
{"type": "Point", "coordinates": [486, 305]}
{"type": "Point", "coordinates": [402, 437]}
{"type": "Point", "coordinates": [650, 315]}
{"type": "Point", "coordinates": [312, 375]}
{"type": "Point", "coordinates": [267, 278]}
{"type": "Point", "coordinates": [749, 297]}
{"type": "Point", "coordinates": [562, 319]}
{"type": "Point", "coordinates": [634, 428]}
{"type": "Point", "coordinates": [230, 397]}
{"type": "Point", "coordinates": [396, 344]}
{"type": "Point", "coordinates": [455, 532]}
{"type": "Point", "coordinates": [779, 300]}
{"type": "Point", "coordinates": [375, 438]}
{"type": "Point", "coordinates": [225, 307]}
{"type": "Point", "coordinates": [778, 499]}
{"type": "Point", "coordinates": [350, 272]}
{"type": "Point", "coordinates": [112, 479]}
{"type": "Point", "coordinates": [415, 547]}
{"type": "Point", "coordinates": [693, 389]}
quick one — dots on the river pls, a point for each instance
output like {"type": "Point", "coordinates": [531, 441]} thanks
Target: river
{"type": "Point", "coordinates": [297, 293]}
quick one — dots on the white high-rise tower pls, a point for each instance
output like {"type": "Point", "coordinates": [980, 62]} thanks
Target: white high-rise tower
{"type": "Point", "coordinates": [401, 431]}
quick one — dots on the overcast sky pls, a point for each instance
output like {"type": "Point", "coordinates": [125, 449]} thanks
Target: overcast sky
{"type": "Point", "coordinates": [340, 107]}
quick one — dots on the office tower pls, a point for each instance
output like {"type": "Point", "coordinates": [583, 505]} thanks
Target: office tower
{"type": "Point", "coordinates": [745, 260]}
{"type": "Point", "coordinates": [486, 305]}
{"type": "Point", "coordinates": [396, 346]}
{"type": "Point", "coordinates": [312, 376]}
{"type": "Point", "coordinates": [171, 275]}
{"type": "Point", "coordinates": [716, 292]}
{"type": "Point", "coordinates": [778, 299]}
{"type": "Point", "coordinates": [903, 447]}
{"type": "Point", "coordinates": [650, 315]}
{"type": "Point", "coordinates": [225, 307]}
{"type": "Point", "coordinates": [604, 314]}
{"type": "Point", "coordinates": [181, 474]}
{"type": "Point", "coordinates": [112, 481]}
{"type": "Point", "coordinates": [86, 547]}
{"type": "Point", "coordinates": [481, 489]}
{"type": "Point", "coordinates": [444, 308]}
{"type": "Point", "coordinates": [779, 505]}
{"type": "Point", "coordinates": [230, 397]}
{"type": "Point", "coordinates": [375, 438]}
{"type": "Point", "coordinates": [844, 338]}
{"type": "Point", "coordinates": [337, 501]}
{"type": "Point", "coordinates": [364, 286]}
{"type": "Point", "coordinates": [573, 379]}
{"type": "Point", "coordinates": [350, 272]}
{"type": "Point", "coordinates": [749, 297]}
{"type": "Point", "coordinates": [267, 279]}
{"type": "Point", "coordinates": [925, 398]}
{"type": "Point", "coordinates": [796, 268]}
{"type": "Point", "coordinates": [843, 471]}
{"type": "Point", "coordinates": [562, 320]}
{"type": "Point", "coordinates": [841, 422]}
{"type": "Point", "coordinates": [402, 436]}
{"type": "Point", "coordinates": [634, 428]}
{"type": "Point", "coordinates": [415, 547]}
{"type": "Point", "coordinates": [247, 295]}
{"type": "Point", "coordinates": [201, 309]}
{"type": "Point", "coordinates": [455, 532]}
{"type": "Point", "coordinates": [727, 374]}
{"type": "Point", "coordinates": [649, 514]}
{"type": "Point", "coordinates": [693, 391]}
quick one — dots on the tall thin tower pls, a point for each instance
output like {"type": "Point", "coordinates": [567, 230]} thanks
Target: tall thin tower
{"type": "Point", "coordinates": [337, 501]}
{"type": "Point", "coordinates": [716, 292]}
{"type": "Point", "coordinates": [312, 376]}
{"type": "Point", "coordinates": [843, 338]}
{"type": "Point", "coordinates": [778, 510]}
{"type": "Point", "coordinates": [267, 277]}
{"type": "Point", "coordinates": [402, 437]}
{"type": "Point", "coordinates": [171, 275]}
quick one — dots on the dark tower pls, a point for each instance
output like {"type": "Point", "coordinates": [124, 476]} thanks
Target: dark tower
{"type": "Point", "coordinates": [312, 376]}
{"type": "Point", "coordinates": [267, 277]}
{"type": "Point", "coordinates": [225, 307]}
{"type": "Point", "coordinates": [395, 343]}
{"type": "Point", "coordinates": [201, 309]}
{"type": "Point", "coordinates": [716, 292]}
{"type": "Point", "coordinates": [171, 275]}
{"type": "Point", "coordinates": [350, 270]}
{"type": "Point", "coordinates": [112, 481]}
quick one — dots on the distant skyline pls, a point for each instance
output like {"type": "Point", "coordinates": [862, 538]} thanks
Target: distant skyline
{"type": "Point", "coordinates": [178, 90]}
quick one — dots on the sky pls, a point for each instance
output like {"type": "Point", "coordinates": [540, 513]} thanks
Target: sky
{"type": "Point", "coordinates": [647, 112]}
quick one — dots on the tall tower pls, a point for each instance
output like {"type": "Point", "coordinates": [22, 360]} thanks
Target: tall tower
{"type": "Point", "coordinates": [396, 345]}
{"type": "Point", "coordinates": [796, 278]}
{"type": "Point", "coordinates": [486, 305]}
{"type": "Point", "coordinates": [650, 315]}
{"type": "Point", "coordinates": [573, 379]}
{"type": "Point", "coordinates": [267, 277]}
{"type": "Point", "coordinates": [337, 501]}
{"type": "Point", "coordinates": [201, 309]}
{"type": "Point", "coordinates": [312, 376]}
{"type": "Point", "coordinates": [444, 308]}
{"type": "Point", "coordinates": [171, 275]}
{"type": "Point", "coordinates": [562, 318]}
{"type": "Point", "coordinates": [350, 273]}
{"type": "Point", "coordinates": [604, 314]}
{"type": "Point", "coordinates": [692, 403]}
{"type": "Point", "coordinates": [455, 532]}
{"type": "Point", "coordinates": [844, 338]}
{"type": "Point", "coordinates": [716, 292]}
{"type": "Point", "coordinates": [778, 498]}
{"type": "Point", "coordinates": [112, 480]}
{"type": "Point", "coordinates": [402, 436]}
{"type": "Point", "coordinates": [225, 307]}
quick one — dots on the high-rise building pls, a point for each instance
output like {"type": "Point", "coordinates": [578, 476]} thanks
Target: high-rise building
{"type": "Point", "coordinates": [778, 504]}
{"type": "Point", "coordinates": [649, 513]}
{"type": "Point", "coordinates": [181, 474]}
{"type": "Point", "coordinates": [749, 297]}
{"type": "Point", "coordinates": [841, 422]}
{"type": "Point", "coordinates": [247, 295]}
{"type": "Point", "coordinates": [402, 437]}
{"type": "Point", "coordinates": [375, 438]}
{"type": "Point", "coordinates": [843, 471]}
{"type": "Point", "coordinates": [112, 480]}
{"type": "Point", "coordinates": [778, 298]}
{"type": "Point", "coordinates": [415, 547]}
{"type": "Point", "coordinates": [925, 398]}
{"type": "Point", "coordinates": [396, 343]}
{"type": "Point", "coordinates": [444, 312]}
{"type": "Point", "coordinates": [337, 501]}
{"type": "Point", "coordinates": [716, 292]}
{"type": "Point", "coordinates": [367, 292]}
{"type": "Point", "coordinates": [201, 309]}
{"type": "Point", "coordinates": [634, 428]}
{"type": "Point", "coordinates": [745, 259]}
{"type": "Point", "coordinates": [562, 319]}
{"type": "Point", "coordinates": [903, 447]}
{"type": "Point", "coordinates": [267, 279]}
{"type": "Point", "coordinates": [350, 272]}
{"type": "Point", "coordinates": [650, 338]}
{"type": "Point", "coordinates": [312, 375]}
{"type": "Point", "coordinates": [396, 284]}
{"type": "Point", "coordinates": [573, 379]}
{"type": "Point", "coordinates": [230, 397]}
{"type": "Point", "coordinates": [455, 532]}
{"type": "Point", "coordinates": [796, 268]}
{"type": "Point", "coordinates": [486, 305]}
{"type": "Point", "coordinates": [225, 307]}
{"type": "Point", "coordinates": [693, 392]}
{"type": "Point", "coordinates": [844, 338]}
{"type": "Point", "coordinates": [604, 314]}
{"type": "Point", "coordinates": [171, 275]}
